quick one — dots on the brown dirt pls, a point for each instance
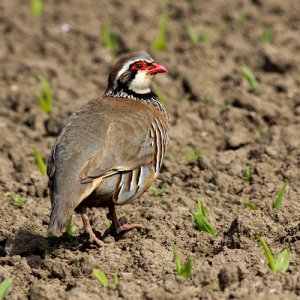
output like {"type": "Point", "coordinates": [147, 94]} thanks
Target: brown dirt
{"type": "Point", "coordinates": [210, 107]}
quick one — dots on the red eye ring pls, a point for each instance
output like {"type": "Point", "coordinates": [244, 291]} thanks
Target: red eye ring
{"type": "Point", "coordinates": [140, 65]}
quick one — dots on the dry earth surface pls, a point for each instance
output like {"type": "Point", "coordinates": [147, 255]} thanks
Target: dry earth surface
{"type": "Point", "coordinates": [211, 109]}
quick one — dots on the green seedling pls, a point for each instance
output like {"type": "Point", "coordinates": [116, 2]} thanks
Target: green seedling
{"type": "Point", "coordinates": [249, 76]}
{"type": "Point", "coordinates": [39, 161]}
{"type": "Point", "coordinates": [276, 263]}
{"type": "Point", "coordinates": [248, 176]}
{"type": "Point", "coordinates": [257, 134]}
{"type": "Point", "coordinates": [36, 7]}
{"type": "Point", "coordinates": [209, 100]}
{"type": "Point", "coordinates": [160, 43]}
{"type": "Point", "coordinates": [116, 277]}
{"type": "Point", "coordinates": [193, 156]}
{"type": "Point", "coordinates": [17, 200]}
{"type": "Point", "coordinates": [240, 17]}
{"type": "Point", "coordinates": [155, 192]}
{"type": "Point", "coordinates": [48, 253]}
{"type": "Point", "coordinates": [251, 206]}
{"type": "Point", "coordinates": [160, 96]}
{"type": "Point", "coordinates": [279, 198]}
{"type": "Point", "coordinates": [100, 276]}
{"type": "Point", "coordinates": [161, 2]}
{"type": "Point", "coordinates": [185, 269]}
{"type": "Point", "coordinates": [109, 39]}
{"type": "Point", "coordinates": [208, 35]}
{"type": "Point", "coordinates": [70, 228]}
{"type": "Point", "coordinates": [192, 34]}
{"type": "Point", "coordinates": [5, 286]}
{"type": "Point", "coordinates": [44, 96]}
{"type": "Point", "coordinates": [267, 36]}
{"type": "Point", "coordinates": [201, 221]}
{"type": "Point", "coordinates": [108, 224]}
{"type": "Point", "coordinates": [76, 262]}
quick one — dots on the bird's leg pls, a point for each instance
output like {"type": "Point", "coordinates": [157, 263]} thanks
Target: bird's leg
{"type": "Point", "coordinates": [88, 228]}
{"type": "Point", "coordinates": [120, 225]}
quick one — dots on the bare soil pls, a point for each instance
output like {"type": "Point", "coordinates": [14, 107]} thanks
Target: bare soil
{"type": "Point", "coordinates": [211, 109]}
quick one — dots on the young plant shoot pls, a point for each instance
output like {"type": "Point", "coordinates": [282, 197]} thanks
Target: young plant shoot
{"type": "Point", "coordinates": [100, 275]}
{"type": "Point", "coordinates": [251, 206]}
{"type": "Point", "coordinates": [45, 95]}
{"type": "Point", "coordinates": [279, 198]}
{"type": "Point", "coordinates": [109, 39]}
{"type": "Point", "coordinates": [249, 76]}
{"type": "Point", "coordinates": [160, 43]}
{"type": "Point", "coordinates": [279, 263]}
{"type": "Point", "coordinates": [40, 162]}
{"type": "Point", "coordinates": [201, 221]}
{"type": "Point", "coordinates": [70, 228]}
{"type": "Point", "coordinates": [5, 286]}
{"type": "Point", "coordinates": [185, 269]}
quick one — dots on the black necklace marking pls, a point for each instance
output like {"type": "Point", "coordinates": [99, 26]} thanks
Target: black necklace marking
{"type": "Point", "coordinates": [122, 91]}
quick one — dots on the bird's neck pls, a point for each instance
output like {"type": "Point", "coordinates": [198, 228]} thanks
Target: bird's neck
{"type": "Point", "coordinates": [124, 92]}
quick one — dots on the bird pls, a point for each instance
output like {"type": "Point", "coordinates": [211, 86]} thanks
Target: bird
{"type": "Point", "coordinates": [110, 150]}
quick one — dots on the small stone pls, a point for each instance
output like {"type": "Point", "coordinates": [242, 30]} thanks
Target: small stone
{"type": "Point", "coordinates": [211, 188]}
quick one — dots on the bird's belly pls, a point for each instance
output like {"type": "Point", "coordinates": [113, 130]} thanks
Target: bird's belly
{"type": "Point", "coordinates": [124, 186]}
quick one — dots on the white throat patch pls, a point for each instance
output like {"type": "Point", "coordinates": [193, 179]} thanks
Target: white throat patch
{"type": "Point", "coordinates": [141, 82]}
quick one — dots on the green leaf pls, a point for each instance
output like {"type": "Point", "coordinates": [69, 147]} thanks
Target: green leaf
{"type": "Point", "coordinates": [182, 270]}
{"type": "Point", "coordinates": [283, 261]}
{"type": "Point", "coordinates": [267, 36]}
{"type": "Point", "coordinates": [70, 228]}
{"type": "Point", "coordinates": [100, 276]}
{"type": "Point", "coordinates": [39, 161]}
{"type": "Point", "coordinates": [5, 286]}
{"type": "Point", "coordinates": [240, 17]}
{"type": "Point", "coordinates": [193, 156]}
{"type": "Point", "coordinates": [16, 200]}
{"type": "Point", "coordinates": [248, 174]}
{"type": "Point", "coordinates": [201, 210]}
{"type": "Point", "coordinates": [279, 198]}
{"type": "Point", "coordinates": [249, 76]}
{"type": "Point", "coordinates": [201, 221]}
{"type": "Point", "coordinates": [36, 7]}
{"type": "Point", "coordinates": [207, 36]}
{"type": "Point", "coordinates": [44, 97]}
{"type": "Point", "coordinates": [116, 277]}
{"type": "Point", "coordinates": [268, 253]}
{"type": "Point", "coordinates": [177, 259]}
{"type": "Point", "coordinates": [109, 39]}
{"type": "Point", "coordinates": [160, 43]}
{"type": "Point", "coordinates": [186, 269]}
{"type": "Point", "coordinates": [192, 34]}
{"type": "Point", "coordinates": [251, 206]}
{"type": "Point", "coordinates": [155, 192]}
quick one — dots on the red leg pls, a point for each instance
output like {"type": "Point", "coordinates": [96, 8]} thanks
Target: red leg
{"type": "Point", "coordinates": [88, 228]}
{"type": "Point", "coordinates": [120, 225]}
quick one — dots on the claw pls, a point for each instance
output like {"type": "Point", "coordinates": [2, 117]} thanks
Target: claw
{"type": "Point", "coordinates": [88, 228]}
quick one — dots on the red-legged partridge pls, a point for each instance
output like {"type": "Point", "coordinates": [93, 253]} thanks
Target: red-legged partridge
{"type": "Point", "coordinates": [110, 150]}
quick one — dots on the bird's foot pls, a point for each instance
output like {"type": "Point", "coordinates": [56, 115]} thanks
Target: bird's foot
{"type": "Point", "coordinates": [119, 226]}
{"type": "Point", "coordinates": [89, 230]}
{"type": "Point", "coordinates": [122, 225]}
{"type": "Point", "coordinates": [94, 238]}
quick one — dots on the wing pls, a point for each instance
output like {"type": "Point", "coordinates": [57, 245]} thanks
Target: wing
{"type": "Point", "coordinates": [127, 146]}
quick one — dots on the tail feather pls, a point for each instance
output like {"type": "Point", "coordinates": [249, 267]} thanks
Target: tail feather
{"type": "Point", "coordinates": [60, 215]}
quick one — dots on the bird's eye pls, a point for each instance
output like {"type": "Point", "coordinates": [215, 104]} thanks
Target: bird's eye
{"type": "Point", "coordinates": [139, 66]}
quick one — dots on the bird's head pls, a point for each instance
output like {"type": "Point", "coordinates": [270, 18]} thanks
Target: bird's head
{"type": "Point", "coordinates": [133, 74]}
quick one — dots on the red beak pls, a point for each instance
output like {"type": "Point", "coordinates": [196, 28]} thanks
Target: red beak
{"type": "Point", "coordinates": [156, 68]}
